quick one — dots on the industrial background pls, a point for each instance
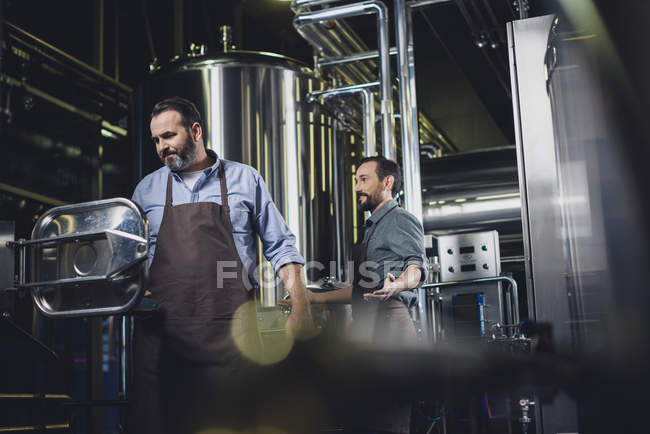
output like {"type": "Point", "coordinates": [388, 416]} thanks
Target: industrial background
{"type": "Point", "coordinates": [545, 164]}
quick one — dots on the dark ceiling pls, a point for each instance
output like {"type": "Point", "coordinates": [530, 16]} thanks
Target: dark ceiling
{"type": "Point", "coordinates": [463, 88]}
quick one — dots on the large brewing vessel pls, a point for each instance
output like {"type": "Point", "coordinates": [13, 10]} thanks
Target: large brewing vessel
{"type": "Point", "coordinates": [255, 111]}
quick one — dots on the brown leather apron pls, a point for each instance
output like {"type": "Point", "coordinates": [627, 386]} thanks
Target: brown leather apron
{"type": "Point", "coordinates": [186, 359]}
{"type": "Point", "coordinates": [389, 325]}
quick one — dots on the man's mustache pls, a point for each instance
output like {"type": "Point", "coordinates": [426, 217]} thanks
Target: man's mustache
{"type": "Point", "coordinates": [167, 152]}
{"type": "Point", "coordinates": [359, 195]}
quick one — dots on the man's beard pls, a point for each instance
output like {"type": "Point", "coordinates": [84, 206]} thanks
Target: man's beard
{"type": "Point", "coordinates": [372, 200]}
{"type": "Point", "coordinates": [185, 157]}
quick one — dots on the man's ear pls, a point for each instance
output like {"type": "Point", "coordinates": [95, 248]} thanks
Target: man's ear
{"type": "Point", "coordinates": [196, 131]}
{"type": "Point", "coordinates": [388, 182]}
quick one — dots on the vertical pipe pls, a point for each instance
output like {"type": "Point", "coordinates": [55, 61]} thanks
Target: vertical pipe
{"type": "Point", "coordinates": [123, 358]}
{"type": "Point", "coordinates": [386, 93]}
{"type": "Point", "coordinates": [338, 222]}
{"type": "Point", "coordinates": [117, 38]}
{"type": "Point", "coordinates": [370, 141]}
{"type": "Point", "coordinates": [98, 35]}
{"type": "Point", "coordinates": [410, 136]}
{"type": "Point", "coordinates": [2, 35]}
{"type": "Point", "coordinates": [178, 41]}
{"type": "Point", "coordinates": [386, 89]}
{"type": "Point", "coordinates": [98, 62]}
{"type": "Point", "coordinates": [408, 109]}
{"type": "Point", "coordinates": [95, 374]}
{"type": "Point", "coordinates": [147, 27]}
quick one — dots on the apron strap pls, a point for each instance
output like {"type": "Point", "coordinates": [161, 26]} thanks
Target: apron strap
{"type": "Point", "coordinates": [224, 189]}
{"type": "Point", "coordinates": [374, 226]}
{"type": "Point", "coordinates": [168, 199]}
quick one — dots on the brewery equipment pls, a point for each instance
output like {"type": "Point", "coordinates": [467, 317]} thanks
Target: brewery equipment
{"type": "Point", "coordinates": [255, 111]}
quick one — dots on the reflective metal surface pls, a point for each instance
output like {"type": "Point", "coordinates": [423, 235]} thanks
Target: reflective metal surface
{"type": "Point", "coordinates": [88, 259]}
{"type": "Point", "coordinates": [255, 110]}
{"type": "Point", "coordinates": [538, 172]}
{"type": "Point", "coordinates": [342, 50]}
{"type": "Point", "coordinates": [7, 254]}
{"type": "Point", "coordinates": [469, 256]}
{"type": "Point", "coordinates": [386, 93]}
{"type": "Point", "coordinates": [368, 104]}
{"type": "Point", "coordinates": [474, 191]}
{"type": "Point", "coordinates": [506, 310]}
{"type": "Point", "coordinates": [408, 108]}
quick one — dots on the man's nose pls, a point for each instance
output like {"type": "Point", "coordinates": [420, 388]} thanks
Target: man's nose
{"type": "Point", "coordinates": [162, 146]}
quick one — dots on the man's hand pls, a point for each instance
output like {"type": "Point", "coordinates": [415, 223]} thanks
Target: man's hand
{"type": "Point", "coordinates": [410, 278]}
{"type": "Point", "coordinates": [287, 302]}
{"type": "Point", "coordinates": [389, 290]}
{"type": "Point", "coordinates": [300, 322]}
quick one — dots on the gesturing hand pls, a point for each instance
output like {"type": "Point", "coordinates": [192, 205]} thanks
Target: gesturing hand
{"type": "Point", "coordinates": [390, 289]}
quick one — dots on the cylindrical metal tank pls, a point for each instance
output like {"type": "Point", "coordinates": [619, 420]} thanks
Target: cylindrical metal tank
{"type": "Point", "coordinates": [255, 111]}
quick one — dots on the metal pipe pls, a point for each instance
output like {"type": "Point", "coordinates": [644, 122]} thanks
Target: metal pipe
{"type": "Point", "coordinates": [513, 285]}
{"type": "Point", "coordinates": [370, 140]}
{"type": "Point", "coordinates": [355, 45]}
{"type": "Point", "coordinates": [116, 42]}
{"type": "Point", "coordinates": [17, 32]}
{"type": "Point", "coordinates": [341, 40]}
{"type": "Point", "coordinates": [147, 29]}
{"type": "Point", "coordinates": [340, 90]}
{"type": "Point", "coordinates": [98, 35]}
{"type": "Point", "coordinates": [368, 102]}
{"type": "Point", "coordinates": [364, 8]}
{"type": "Point", "coordinates": [523, 9]}
{"type": "Point", "coordinates": [178, 37]}
{"type": "Point", "coordinates": [2, 36]}
{"type": "Point", "coordinates": [122, 359]}
{"type": "Point", "coordinates": [366, 55]}
{"type": "Point", "coordinates": [323, 42]}
{"type": "Point", "coordinates": [299, 5]}
{"type": "Point", "coordinates": [22, 270]}
{"type": "Point", "coordinates": [418, 3]}
{"type": "Point", "coordinates": [408, 109]}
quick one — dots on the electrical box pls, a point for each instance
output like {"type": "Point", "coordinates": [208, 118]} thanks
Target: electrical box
{"type": "Point", "coordinates": [469, 256]}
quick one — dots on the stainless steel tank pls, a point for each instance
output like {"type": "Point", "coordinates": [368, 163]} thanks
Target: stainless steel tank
{"type": "Point", "coordinates": [255, 111]}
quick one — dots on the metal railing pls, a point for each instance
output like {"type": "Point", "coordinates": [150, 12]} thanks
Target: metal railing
{"type": "Point", "coordinates": [386, 95]}
{"type": "Point", "coordinates": [368, 102]}
{"type": "Point", "coordinates": [514, 300]}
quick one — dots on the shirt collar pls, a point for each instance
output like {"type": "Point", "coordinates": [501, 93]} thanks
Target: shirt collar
{"type": "Point", "coordinates": [382, 211]}
{"type": "Point", "coordinates": [208, 170]}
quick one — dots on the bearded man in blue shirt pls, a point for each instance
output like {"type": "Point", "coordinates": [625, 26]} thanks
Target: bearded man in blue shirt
{"type": "Point", "coordinates": [204, 214]}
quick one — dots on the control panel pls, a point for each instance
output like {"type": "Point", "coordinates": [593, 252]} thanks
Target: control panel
{"type": "Point", "coordinates": [469, 256]}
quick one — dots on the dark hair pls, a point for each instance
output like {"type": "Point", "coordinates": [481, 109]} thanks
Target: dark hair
{"type": "Point", "coordinates": [384, 168]}
{"type": "Point", "coordinates": [187, 110]}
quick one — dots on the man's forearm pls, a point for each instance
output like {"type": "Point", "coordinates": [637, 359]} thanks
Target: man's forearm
{"type": "Point", "coordinates": [294, 283]}
{"type": "Point", "coordinates": [342, 295]}
{"type": "Point", "coordinates": [300, 319]}
{"type": "Point", "coordinates": [409, 279]}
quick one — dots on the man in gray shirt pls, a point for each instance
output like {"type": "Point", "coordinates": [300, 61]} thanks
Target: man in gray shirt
{"type": "Point", "coordinates": [390, 258]}
{"type": "Point", "coordinates": [388, 261]}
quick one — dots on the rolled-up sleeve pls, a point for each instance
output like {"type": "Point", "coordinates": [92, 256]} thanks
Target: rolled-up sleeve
{"type": "Point", "coordinates": [407, 238]}
{"type": "Point", "coordinates": [278, 242]}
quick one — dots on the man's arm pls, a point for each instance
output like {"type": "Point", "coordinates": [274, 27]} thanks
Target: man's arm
{"type": "Point", "coordinates": [409, 279]}
{"type": "Point", "coordinates": [300, 321]}
{"type": "Point", "coordinates": [279, 247]}
{"type": "Point", "coordinates": [341, 295]}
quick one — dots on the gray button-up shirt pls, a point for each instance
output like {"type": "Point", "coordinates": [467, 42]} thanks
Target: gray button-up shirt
{"type": "Point", "coordinates": [397, 242]}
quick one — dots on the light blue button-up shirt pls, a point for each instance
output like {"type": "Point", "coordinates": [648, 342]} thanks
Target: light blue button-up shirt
{"type": "Point", "coordinates": [252, 211]}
